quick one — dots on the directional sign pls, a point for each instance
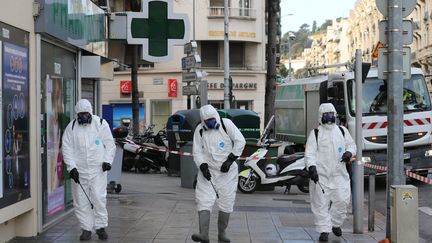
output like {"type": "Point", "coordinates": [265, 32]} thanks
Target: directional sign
{"type": "Point", "coordinates": [383, 63]}
{"type": "Point", "coordinates": [407, 34]}
{"type": "Point", "coordinates": [190, 47]}
{"type": "Point", "coordinates": [157, 29]}
{"type": "Point", "coordinates": [190, 90]}
{"type": "Point", "coordinates": [191, 62]}
{"type": "Point", "coordinates": [407, 7]}
{"type": "Point", "coordinates": [192, 76]}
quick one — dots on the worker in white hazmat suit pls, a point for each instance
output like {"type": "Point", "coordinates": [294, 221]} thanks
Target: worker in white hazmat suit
{"type": "Point", "coordinates": [328, 149]}
{"type": "Point", "coordinates": [88, 151]}
{"type": "Point", "coordinates": [217, 143]}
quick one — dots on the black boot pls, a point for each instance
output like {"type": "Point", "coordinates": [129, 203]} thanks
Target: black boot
{"type": "Point", "coordinates": [85, 235]}
{"type": "Point", "coordinates": [102, 234]}
{"type": "Point", "coordinates": [204, 223]}
{"type": "Point", "coordinates": [323, 237]}
{"type": "Point", "coordinates": [223, 220]}
{"type": "Point", "coordinates": [337, 231]}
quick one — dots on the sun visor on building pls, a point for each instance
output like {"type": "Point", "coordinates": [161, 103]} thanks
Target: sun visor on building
{"type": "Point", "coordinates": [97, 67]}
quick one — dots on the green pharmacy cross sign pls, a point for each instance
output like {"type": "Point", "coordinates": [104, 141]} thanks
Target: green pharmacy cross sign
{"type": "Point", "coordinates": [157, 29]}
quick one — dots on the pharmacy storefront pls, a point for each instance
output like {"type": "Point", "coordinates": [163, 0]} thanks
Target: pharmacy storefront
{"type": "Point", "coordinates": [71, 41]}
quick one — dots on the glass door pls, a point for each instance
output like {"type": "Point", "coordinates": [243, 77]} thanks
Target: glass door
{"type": "Point", "coordinates": [58, 92]}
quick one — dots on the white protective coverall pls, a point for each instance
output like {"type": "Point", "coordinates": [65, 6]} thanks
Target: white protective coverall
{"type": "Point", "coordinates": [213, 148]}
{"type": "Point", "coordinates": [326, 154]}
{"type": "Point", "coordinates": [86, 147]}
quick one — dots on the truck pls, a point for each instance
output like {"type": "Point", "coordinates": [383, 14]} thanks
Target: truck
{"type": "Point", "coordinates": [296, 114]}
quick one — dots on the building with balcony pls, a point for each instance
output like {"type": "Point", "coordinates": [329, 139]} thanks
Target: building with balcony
{"type": "Point", "coordinates": [247, 61]}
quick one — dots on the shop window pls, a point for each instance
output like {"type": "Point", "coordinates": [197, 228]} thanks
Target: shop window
{"type": "Point", "coordinates": [59, 92]}
{"type": "Point", "coordinates": [161, 111]}
{"type": "Point", "coordinates": [209, 54]}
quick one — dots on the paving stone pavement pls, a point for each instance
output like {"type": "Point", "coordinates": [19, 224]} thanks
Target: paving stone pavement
{"type": "Point", "coordinates": [154, 208]}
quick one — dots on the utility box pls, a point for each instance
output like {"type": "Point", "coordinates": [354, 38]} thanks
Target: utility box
{"type": "Point", "coordinates": [180, 130]}
{"type": "Point", "coordinates": [404, 214]}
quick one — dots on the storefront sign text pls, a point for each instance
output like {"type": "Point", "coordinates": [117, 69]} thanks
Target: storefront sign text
{"type": "Point", "coordinates": [233, 34]}
{"type": "Point", "coordinates": [236, 86]}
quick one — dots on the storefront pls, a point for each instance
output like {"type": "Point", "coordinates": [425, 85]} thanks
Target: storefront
{"type": "Point", "coordinates": [71, 44]}
{"type": "Point", "coordinates": [159, 98]}
{"type": "Point", "coordinates": [18, 175]}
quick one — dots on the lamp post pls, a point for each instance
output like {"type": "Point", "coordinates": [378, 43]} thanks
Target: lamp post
{"type": "Point", "coordinates": [291, 37]}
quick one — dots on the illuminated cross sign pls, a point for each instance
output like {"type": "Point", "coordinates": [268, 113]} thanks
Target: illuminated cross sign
{"type": "Point", "coordinates": [157, 29]}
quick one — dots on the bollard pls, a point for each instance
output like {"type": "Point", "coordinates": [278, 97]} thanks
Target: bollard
{"type": "Point", "coordinates": [371, 203]}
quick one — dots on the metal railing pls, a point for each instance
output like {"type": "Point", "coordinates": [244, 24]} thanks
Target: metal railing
{"type": "Point", "coordinates": [247, 13]}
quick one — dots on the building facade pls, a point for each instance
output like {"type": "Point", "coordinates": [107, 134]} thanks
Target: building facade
{"type": "Point", "coordinates": [52, 55]}
{"type": "Point", "coordinates": [156, 80]}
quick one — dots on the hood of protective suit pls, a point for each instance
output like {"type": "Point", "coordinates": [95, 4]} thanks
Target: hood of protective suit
{"type": "Point", "coordinates": [83, 105]}
{"type": "Point", "coordinates": [207, 112]}
{"type": "Point", "coordinates": [326, 107]}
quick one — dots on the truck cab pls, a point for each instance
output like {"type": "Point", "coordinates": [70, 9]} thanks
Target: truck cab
{"type": "Point", "coordinates": [300, 100]}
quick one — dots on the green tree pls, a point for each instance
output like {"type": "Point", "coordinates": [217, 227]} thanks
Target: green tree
{"type": "Point", "coordinates": [283, 70]}
{"type": "Point", "coordinates": [314, 26]}
{"type": "Point", "coordinates": [324, 26]}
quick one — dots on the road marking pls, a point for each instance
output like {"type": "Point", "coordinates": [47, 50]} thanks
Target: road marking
{"type": "Point", "coordinates": [426, 210]}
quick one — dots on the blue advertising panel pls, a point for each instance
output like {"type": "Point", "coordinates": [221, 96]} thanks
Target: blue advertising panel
{"type": "Point", "coordinates": [15, 120]}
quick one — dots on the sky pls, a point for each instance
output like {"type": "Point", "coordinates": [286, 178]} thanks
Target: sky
{"type": "Point", "coordinates": [306, 11]}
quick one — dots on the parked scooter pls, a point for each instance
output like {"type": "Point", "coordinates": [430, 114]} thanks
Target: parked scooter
{"type": "Point", "coordinates": [289, 170]}
{"type": "Point", "coordinates": [146, 156]}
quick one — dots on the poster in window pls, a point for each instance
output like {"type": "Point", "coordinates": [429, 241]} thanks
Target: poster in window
{"type": "Point", "coordinates": [16, 174]}
{"type": "Point", "coordinates": [55, 111]}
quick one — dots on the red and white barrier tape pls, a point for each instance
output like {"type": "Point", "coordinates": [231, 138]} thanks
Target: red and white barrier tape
{"type": "Point", "coordinates": [190, 154]}
{"type": "Point", "coordinates": [407, 173]}
{"type": "Point", "coordinates": [376, 167]}
{"type": "Point", "coordinates": [369, 165]}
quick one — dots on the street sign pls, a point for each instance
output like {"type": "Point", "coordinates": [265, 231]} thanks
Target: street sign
{"type": "Point", "coordinates": [383, 63]}
{"type": "Point", "coordinates": [407, 34]}
{"type": "Point", "coordinates": [192, 76]}
{"type": "Point", "coordinates": [189, 62]}
{"type": "Point", "coordinates": [407, 7]}
{"type": "Point", "coordinates": [190, 90]}
{"type": "Point", "coordinates": [157, 29]}
{"type": "Point", "coordinates": [190, 47]}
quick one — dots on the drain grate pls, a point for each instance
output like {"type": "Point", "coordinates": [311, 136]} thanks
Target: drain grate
{"type": "Point", "coordinates": [272, 209]}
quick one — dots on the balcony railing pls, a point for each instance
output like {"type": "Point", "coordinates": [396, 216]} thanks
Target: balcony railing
{"type": "Point", "coordinates": [244, 13]}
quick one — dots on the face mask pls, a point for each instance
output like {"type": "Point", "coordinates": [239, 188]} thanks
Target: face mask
{"type": "Point", "coordinates": [84, 118]}
{"type": "Point", "coordinates": [328, 118]}
{"type": "Point", "coordinates": [211, 123]}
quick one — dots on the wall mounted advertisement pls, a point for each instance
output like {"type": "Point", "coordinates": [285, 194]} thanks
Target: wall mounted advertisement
{"type": "Point", "coordinates": [1, 122]}
{"type": "Point", "coordinates": [54, 110]}
{"type": "Point", "coordinates": [15, 124]}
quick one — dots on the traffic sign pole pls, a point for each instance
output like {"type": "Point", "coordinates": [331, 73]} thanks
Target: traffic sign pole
{"type": "Point", "coordinates": [395, 149]}
{"type": "Point", "coordinates": [226, 56]}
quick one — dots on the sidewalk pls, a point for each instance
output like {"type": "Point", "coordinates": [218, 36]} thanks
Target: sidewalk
{"type": "Point", "coordinates": [154, 208]}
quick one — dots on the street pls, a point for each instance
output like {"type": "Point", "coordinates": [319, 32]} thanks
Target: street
{"type": "Point", "coordinates": [425, 205]}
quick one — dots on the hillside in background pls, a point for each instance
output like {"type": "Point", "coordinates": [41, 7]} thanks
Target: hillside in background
{"type": "Point", "coordinates": [301, 40]}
